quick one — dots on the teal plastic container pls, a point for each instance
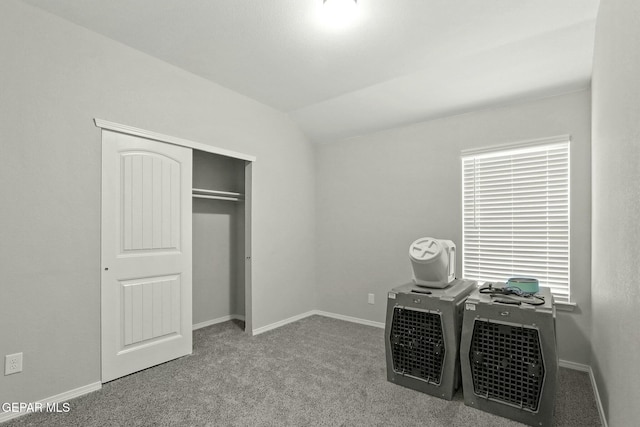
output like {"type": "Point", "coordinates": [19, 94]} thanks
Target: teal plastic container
{"type": "Point", "coordinates": [526, 285]}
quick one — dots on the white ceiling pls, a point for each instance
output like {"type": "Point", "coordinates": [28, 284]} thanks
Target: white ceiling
{"type": "Point", "coordinates": [401, 62]}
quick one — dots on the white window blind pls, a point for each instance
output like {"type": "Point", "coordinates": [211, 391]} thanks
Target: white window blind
{"type": "Point", "coordinates": [516, 214]}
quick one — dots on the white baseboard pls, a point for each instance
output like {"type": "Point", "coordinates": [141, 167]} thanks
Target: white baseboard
{"type": "Point", "coordinates": [586, 368]}
{"type": "Point", "coordinates": [349, 319]}
{"type": "Point", "coordinates": [58, 398]}
{"type": "Point", "coordinates": [283, 322]}
{"type": "Point", "coordinates": [218, 320]}
{"type": "Point", "coordinates": [603, 419]}
{"type": "Point", "coordinates": [573, 365]}
{"type": "Point", "coordinates": [319, 313]}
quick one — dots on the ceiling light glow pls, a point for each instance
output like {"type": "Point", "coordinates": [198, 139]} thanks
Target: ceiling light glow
{"type": "Point", "coordinates": [339, 13]}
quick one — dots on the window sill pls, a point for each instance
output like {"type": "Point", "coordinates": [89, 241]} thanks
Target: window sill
{"type": "Point", "coordinates": [565, 306]}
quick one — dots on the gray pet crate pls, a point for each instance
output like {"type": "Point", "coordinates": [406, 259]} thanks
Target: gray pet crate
{"type": "Point", "coordinates": [422, 335]}
{"type": "Point", "coordinates": [509, 359]}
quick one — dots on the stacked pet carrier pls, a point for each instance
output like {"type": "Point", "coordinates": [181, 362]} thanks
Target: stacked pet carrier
{"type": "Point", "coordinates": [424, 320]}
{"type": "Point", "coordinates": [423, 332]}
{"type": "Point", "coordinates": [508, 355]}
{"type": "Point", "coordinates": [499, 343]}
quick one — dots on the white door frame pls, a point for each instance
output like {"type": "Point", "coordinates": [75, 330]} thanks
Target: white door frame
{"type": "Point", "coordinates": [130, 130]}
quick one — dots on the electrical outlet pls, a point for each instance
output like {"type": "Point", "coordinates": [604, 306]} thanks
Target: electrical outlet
{"type": "Point", "coordinates": [372, 298]}
{"type": "Point", "coordinates": [12, 363]}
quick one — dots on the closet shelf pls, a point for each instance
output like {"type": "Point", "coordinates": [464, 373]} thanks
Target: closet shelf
{"type": "Point", "coordinates": [201, 193]}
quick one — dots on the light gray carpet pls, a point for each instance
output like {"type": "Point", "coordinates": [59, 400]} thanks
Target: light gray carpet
{"type": "Point", "coordinates": [314, 372]}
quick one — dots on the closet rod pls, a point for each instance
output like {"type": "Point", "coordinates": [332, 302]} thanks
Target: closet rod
{"type": "Point", "coordinates": [216, 192]}
{"type": "Point", "coordinates": [203, 196]}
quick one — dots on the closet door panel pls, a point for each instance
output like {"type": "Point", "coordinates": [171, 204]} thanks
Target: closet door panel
{"type": "Point", "coordinates": [146, 253]}
{"type": "Point", "coordinates": [151, 211]}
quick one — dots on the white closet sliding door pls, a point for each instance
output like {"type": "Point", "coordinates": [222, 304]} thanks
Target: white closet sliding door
{"type": "Point", "coordinates": [146, 253]}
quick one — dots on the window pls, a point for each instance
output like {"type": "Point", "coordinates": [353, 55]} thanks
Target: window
{"type": "Point", "coordinates": [516, 214]}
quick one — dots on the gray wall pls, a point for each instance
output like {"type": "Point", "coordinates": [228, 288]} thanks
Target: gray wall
{"type": "Point", "coordinates": [378, 193]}
{"type": "Point", "coordinates": [218, 291]}
{"type": "Point", "coordinates": [616, 202]}
{"type": "Point", "coordinates": [56, 77]}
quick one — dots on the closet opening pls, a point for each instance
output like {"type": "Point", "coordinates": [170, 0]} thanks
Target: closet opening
{"type": "Point", "coordinates": [219, 239]}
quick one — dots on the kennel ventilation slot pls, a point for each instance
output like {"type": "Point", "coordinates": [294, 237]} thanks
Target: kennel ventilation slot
{"type": "Point", "coordinates": [506, 363]}
{"type": "Point", "coordinates": [418, 347]}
